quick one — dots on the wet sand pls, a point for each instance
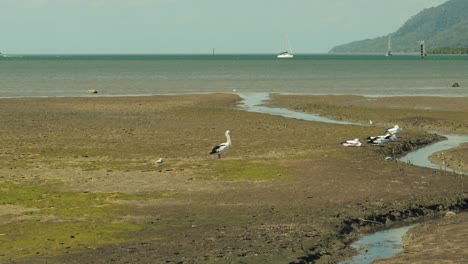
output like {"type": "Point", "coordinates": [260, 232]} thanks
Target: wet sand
{"type": "Point", "coordinates": [286, 192]}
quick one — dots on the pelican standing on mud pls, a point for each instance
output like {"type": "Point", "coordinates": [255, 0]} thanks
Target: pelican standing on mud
{"type": "Point", "coordinates": [223, 147]}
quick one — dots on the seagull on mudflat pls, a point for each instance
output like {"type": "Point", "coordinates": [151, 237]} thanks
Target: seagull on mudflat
{"type": "Point", "coordinates": [393, 130]}
{"type": "Point", "coordinates": [352, 143]}
{"type": "Point", "coordinates": [223, 147]}
{"type": "Point", "coordinates": [160, 161]}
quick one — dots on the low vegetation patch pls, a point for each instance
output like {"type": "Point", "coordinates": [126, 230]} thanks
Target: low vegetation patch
{"type": "Point", "coordinates": [57, 222]}
{"type": "Point", "coordinates": [243, 170]}
{"type": "Point", "coordinates": [53, 238]}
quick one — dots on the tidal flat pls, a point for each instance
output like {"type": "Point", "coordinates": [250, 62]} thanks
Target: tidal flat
{"type": "Point", "coordinates": [80, 184]}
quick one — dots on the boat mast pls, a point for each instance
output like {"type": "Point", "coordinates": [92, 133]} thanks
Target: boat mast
{"type": "Point", "coordinates": [288, 44]}
{"type": "Point", "coordinates": [288, 52]}
{"type": "Point", "coordinates": [389, 46]}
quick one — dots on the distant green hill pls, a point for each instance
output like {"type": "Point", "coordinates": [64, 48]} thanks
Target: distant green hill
{"type": "Point", "coordinates": [444, 26]}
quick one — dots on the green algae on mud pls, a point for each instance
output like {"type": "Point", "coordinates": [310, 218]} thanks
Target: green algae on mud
{"type": "Point", "coordinates": [50, 202]}
{"type": "Point", "coordinates": [244, 170]}
{"type": "Point", "coordinates": [34, 237]}
{"type": "Point", "coordinates": [56, 222]}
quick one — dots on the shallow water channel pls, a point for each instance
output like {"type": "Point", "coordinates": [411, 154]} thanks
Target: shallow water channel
{"type": "Point", "coordinates": [383, 244]}
{"type": "Point", "coordinates": [252, 102]}
{"type": "Point", "coordinates": [420, 157]}
{"type": "Point", "coordinates": [380, 245]}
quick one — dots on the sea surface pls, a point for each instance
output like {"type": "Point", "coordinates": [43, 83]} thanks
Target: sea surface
{"type": "Point", "coordinates": [134, 75]}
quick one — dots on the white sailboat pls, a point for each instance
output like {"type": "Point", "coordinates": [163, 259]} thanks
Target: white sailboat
{"type": "Point", "coordinates": [288, 53]}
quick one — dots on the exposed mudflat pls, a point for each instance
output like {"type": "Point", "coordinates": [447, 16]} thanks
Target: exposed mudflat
{"type": "Point", "coordinates": [79, 181]}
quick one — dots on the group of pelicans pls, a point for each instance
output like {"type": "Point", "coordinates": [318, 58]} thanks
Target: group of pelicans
{"type": "Point", "coordinates": [390, 135]}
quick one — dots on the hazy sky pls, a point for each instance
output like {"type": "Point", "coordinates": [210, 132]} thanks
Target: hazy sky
{"type": "Point", "coordinates": [196, 26]}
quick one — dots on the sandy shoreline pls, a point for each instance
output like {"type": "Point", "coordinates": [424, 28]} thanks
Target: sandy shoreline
{"type": "Point", "coordinates": [287, 191]}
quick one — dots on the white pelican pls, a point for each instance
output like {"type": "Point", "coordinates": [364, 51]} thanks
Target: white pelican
{"type": "Point", "coordinates": [352, 143]}
{"type": "Point", "coordinates": [223, 147]}
{"type": "Point", "coordinates": [379, 140]}
{"type": "Point", "coordinates": [160, 161]}
{"type": "Point", "coordinates": [394, 130]}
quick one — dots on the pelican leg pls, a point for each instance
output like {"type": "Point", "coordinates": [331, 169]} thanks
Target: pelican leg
{"type": "Point", "coordinates": [219, 156]}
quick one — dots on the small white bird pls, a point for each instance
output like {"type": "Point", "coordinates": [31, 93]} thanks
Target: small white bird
{"type": "Point", "coordinates": [394, 130]}
{"type": "Point", "coordinates": [160, 161]}
{"type": "Point", "coordinates": [352, 143]}
{"type": "Point", "coordinates": [370, 122]}
{"type": "Point", "coordinates": [223, 147]}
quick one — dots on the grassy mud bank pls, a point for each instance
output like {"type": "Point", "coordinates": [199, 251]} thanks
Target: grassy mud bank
{"type": "Point", "coordinates": [443, 114]}
{"type": "Point", "coordinates": [437, 241]}
{"type": "Point", "coordinates": [425, 113]}
{"type": "Point", "coordinates": [79, 183]}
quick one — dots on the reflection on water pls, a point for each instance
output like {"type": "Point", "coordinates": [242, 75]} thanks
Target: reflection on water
{"type": "Point", "coordinates": [380, 245]}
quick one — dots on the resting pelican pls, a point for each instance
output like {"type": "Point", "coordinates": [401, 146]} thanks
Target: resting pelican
{"type": "Point", "coordinates": [352, 143]}
{"type": "Point", "coordinates": [223, 147]}
{"type": "Point", "coordinates": [394, 130]}
{"type": "Point", "coordinates": [379, 140]}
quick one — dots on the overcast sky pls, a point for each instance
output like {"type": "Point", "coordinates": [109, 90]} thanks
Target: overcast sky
{"type": "Point", "coordinates": [196, 26]}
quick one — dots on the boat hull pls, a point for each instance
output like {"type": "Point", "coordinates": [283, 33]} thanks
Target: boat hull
{"type": "Point", "coordinates": [285, 55]}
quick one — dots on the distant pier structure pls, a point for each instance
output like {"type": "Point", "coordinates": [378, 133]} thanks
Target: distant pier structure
{"type": "Point", "coordinates": [422, 46]}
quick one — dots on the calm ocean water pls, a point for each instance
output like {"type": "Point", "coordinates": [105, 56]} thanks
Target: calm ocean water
{"type": "Point", "coordinates": [128, 75]}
